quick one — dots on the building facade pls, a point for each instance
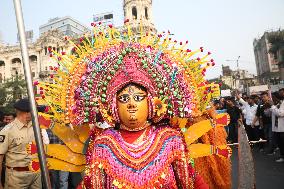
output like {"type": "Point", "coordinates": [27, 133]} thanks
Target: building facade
{"type": "Point", "coordinates": [238, 79]}
{"type": "Point", "coordinates": [67, 25]}
{"type": "Point", "coordinates": [52, 37]}
{"type": "Point", "coordinates": [11, 59]}
{"type": "Point", "coordinates": [139, 13]}
{"type": "Point", "coordinates": [266, 65]}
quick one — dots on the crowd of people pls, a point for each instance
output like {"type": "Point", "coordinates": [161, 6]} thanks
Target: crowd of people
{"type": "Point", "coordinates": [263, 118]}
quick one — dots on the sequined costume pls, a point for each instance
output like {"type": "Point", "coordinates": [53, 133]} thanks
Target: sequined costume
{"type": "Point", "coordinates": [158, 161]}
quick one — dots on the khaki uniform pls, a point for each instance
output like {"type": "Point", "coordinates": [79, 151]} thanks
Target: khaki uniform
{"type": "Point", "coordinates": [13, 144]}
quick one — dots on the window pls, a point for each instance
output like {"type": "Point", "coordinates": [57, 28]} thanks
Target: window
{"type": "Point", "coordinates": [146, 13]}
{"type": "Point", "coordinates": [2, 63]}
{"type": "Point", "coordinates": [16, 60]}
{"type": "Point", "coordinates": [33, 58]}
{"type": "Point", "coordinates": [134, 13]}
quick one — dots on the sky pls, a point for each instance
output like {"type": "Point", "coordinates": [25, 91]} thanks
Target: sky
{"type": "Point", "coordinates": [226, 28]}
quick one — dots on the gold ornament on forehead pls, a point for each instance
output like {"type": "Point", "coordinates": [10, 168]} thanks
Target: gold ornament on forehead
{"type": "Point", "coordinates": [130, 90]}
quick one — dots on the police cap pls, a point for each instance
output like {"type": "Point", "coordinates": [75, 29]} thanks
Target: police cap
{"type": "Point", "coordinates": [23, 105]}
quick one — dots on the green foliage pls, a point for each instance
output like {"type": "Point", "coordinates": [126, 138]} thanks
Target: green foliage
{"type": "Point", "coordinates": [223, 85]}
{"type": "Point", "coordinates": [2, 96]}
{"type": "Point", "coordinates": [276, 39]}
{"type": "Point", "coordinates": [12, 90]}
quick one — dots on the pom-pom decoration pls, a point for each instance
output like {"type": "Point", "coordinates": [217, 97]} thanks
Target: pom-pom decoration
{"type": "Point", "coordinates": [87, 79]}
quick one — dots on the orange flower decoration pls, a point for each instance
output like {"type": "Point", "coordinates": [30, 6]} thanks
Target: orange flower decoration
{"type": "Point", "coordinates": [106, 115]}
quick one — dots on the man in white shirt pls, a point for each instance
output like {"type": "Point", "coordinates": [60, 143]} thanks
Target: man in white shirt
{"type": "Point", "coordinates": [277, 115]}
{"type": "Point", "coordinates": [249, 111]}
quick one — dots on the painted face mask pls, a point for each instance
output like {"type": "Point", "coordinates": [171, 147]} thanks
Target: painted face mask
{"type": "Point", "coordinates": [132, 107]}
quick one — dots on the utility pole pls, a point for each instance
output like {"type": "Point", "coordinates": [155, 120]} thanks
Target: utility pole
{"type": "Point", "coordinates": [238, 75]}
{"type": "Point", "coordinates": [28, 77]}
{"type": "Point", "coordinates": [237, 61]}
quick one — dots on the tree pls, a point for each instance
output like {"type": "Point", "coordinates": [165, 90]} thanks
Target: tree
{"type": "Point", "coordinates": [276, 40]}
{"type": "Point", "coordinates": [12, 90]}
{"type": "Point", "coordinates": [2, 96]}
{"type": "Point", "coordinates": [223, 86]}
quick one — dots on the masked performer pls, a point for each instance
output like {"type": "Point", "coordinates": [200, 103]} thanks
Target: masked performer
{"type": "Point", "coordinates": [149, 90]}
{"type": "Point", "coordinates": [138, 153]}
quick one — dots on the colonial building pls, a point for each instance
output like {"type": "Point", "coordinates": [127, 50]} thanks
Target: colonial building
{"type": "Point", "coordinates": [266, 66]}
{"type": "Point", "coordinates": [11, 58]}
{"type": "Point", "coordinates": [52, 36]}
{"type": "Point", "coordinates": [139, 13]}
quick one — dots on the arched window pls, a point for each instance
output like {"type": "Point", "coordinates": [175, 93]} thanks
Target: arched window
{"type": "Point", "coordinates": [2, 63]}
{"type": "Point", "coordinates": [16, 60]}
{"type": "Point", "coordinates": [33, 58]}
{"type": "Point", "coordinates": [134, 13]}
{"type": "Point", "coordinates": [146, 13]}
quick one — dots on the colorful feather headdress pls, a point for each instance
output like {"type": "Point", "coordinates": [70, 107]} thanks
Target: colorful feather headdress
{"type": "Point", "coordinates": [87, 79]}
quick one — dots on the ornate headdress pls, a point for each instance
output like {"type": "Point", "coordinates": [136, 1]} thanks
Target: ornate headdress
{"type": "Point", "coordinates": [88, 79]}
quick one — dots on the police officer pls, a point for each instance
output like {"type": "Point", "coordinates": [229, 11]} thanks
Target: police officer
{"type": "Point", "coordinates": [14, 139]}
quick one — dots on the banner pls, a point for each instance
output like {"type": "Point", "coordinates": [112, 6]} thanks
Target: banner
{"type": "Point", "coordinates": [258, 89]}
{"type": "Point", "coordinates": [215, 88]}
{"type": "Point", "coordinates": [225, 93]}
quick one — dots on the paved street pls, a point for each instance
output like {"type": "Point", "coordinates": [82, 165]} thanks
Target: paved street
{"type": "Point", "coordinates": [269, 174]}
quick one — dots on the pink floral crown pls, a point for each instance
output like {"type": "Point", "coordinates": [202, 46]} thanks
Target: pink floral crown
{"type": "Point", "coordinates": [128, 63]}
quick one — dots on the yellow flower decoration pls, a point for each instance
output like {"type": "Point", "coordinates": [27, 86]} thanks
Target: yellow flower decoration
{"type": "Point", "coordinates": [160, 108]}
{"type": "Point", "coordinates": [105, 114]}
{"type": "Point", "coordinates": [107, 117]}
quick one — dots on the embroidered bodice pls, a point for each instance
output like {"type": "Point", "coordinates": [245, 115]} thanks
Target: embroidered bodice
{"type": "Point", "coordinates": [159, 161]}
